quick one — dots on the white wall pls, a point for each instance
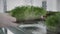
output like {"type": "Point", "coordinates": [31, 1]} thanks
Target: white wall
{"type": "Point", "coordinates": [58, 5]}
{"type": "Point", "coordinates": [51, 5]}
{"type": "Point", "coordinates": [13, 3]}
{"type": "Point", "coordinates": [37, 3]}
{"type": "Point", "coordinates": [1, 6]}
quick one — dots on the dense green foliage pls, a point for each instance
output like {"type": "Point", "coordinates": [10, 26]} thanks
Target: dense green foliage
{"type": "Point", "coordinates": [27, 12]}
{"type": "Point", "coordinates": [53, 21]}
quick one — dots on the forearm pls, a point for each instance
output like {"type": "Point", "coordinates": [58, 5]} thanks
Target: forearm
{"type": "Point", "coordinates": [6, 20]}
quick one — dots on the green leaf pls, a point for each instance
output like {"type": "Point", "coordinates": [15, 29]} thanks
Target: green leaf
{"type": "Point", "coordinates": [27, 12]}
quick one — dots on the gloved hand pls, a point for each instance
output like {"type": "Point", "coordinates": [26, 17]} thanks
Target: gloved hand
{"type": "Point", "coordinates": [7, 21]}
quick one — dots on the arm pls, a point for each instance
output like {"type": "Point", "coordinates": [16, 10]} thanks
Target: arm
{"type": "Point", "coordinates": [6, 20]}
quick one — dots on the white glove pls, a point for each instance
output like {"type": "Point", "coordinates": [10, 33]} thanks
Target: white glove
{"type": "Point", "coordinates": [7, 21]}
